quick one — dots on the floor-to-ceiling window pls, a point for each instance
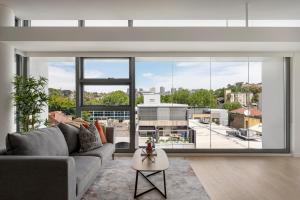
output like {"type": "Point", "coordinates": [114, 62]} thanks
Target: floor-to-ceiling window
{"type": "Point", "coordinates": [211, 103]}
{"type": "Point", "coordinates": [207, 103]}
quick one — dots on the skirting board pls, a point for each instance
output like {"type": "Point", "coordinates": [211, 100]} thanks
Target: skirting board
{"type": "Point", "coordinates": [217, 154]}
{"type": "Point", "coordinates": [297, 155]}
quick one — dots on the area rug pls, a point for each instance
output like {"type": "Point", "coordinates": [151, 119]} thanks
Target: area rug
{"type": "Point", "coordinates": [116, 181]}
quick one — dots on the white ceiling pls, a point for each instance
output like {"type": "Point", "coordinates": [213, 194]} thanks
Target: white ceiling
{"type": "Point", "coordinates": [154, 9]}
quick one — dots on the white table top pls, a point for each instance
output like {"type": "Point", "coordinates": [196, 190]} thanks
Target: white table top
{"type": "Point", "coordinates": [161, 161]}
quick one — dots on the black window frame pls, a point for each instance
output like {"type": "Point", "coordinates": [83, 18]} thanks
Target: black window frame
{"type": "Point", "coordinates": [130, 81]}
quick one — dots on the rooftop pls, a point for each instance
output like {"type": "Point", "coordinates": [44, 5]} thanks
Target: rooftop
{"type": "Point", "coordinates": [248, 111]}
{"type": "Point", "coordinates": [163, 105]}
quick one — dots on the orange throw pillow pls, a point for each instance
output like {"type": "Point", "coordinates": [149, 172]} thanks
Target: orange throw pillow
{"type": "Point", "coordinates": [101, 132]}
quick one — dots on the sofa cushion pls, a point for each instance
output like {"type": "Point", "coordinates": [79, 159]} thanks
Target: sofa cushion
{"type": "Point", "coordinates": [87, 169]}
{"type": "Point", "coordinates": [88, 139]}
{"type": "Point", "coordinates": [105, 152]}
{"type": "Point", "coordinates": [41, 142]}
{"type": "Point", "coordinates": [71, 134]}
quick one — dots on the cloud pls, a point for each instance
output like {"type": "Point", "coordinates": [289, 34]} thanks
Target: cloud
{"type": "Point", "coordinates": [195, 76]}
{"type": "Point", "coordinates": [61, 78]}
{"type": "Point", "coordinates": [147, 75]}
{"type": "Point", "coordinates": [93, 74]}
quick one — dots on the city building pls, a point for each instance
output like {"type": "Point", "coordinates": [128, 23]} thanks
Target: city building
{"type": "Point", "coordinates": [245, 118]}
{"type": "Point", "coordinates": [243, 98]}
{"type": "Point", "coordinates": [109, 115]}
{"type": "Point", "coordinates": [205, 115]}
{"type": "Point", "coordinates": [152, 90]}
{"type": "Point", "coordinates": [173, 90]}
{"type": "Point", "coordinates": [163, 121]}
{"type": "Point", "coordinates": [162, 90]}
{"type": "Point", "coordinates": [151, 98]}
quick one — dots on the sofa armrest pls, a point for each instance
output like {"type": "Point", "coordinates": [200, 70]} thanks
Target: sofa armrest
{"type": "Point", "coordinates": [37, 177]}
{"type": "Point", "coordinates": [2, 151]}
{"type": "Point", "coordinates": [110, 134]}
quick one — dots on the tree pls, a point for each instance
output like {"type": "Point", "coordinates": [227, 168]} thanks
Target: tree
{"type": "Point", "coordinates": [166, 98]}
{"type": "Point", "coordinates": [86, 115]}
{"type": "Point", "coordinates": [115, 98]}
{"type": "Point", "coordinates": [61, 103]}
{"type": "Point", "coordinates": [181, 96]}
{"type": "Point", "coordinates": [219, 92]}
{"type": "Point", "coordinates": [203, 98]}
{"type": "Point", "coordinates": [232, 106]}
{"type": "Point", "coordinates": [30, 98]}
{"type": "Point", "coordinates": [93, 101]}
{"type": "Point", "coordinates": [139, 100]}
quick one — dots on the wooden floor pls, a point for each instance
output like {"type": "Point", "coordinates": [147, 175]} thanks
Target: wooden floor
{"type": "Point", "coordinates": [249, 178]}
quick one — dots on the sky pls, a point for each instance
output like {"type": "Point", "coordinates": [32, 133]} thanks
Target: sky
{"type": "Point", "coordinates": [185, 74]}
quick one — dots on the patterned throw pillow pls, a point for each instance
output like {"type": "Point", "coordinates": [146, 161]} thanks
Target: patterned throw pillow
{"type": "Point", "coordinates": [94, 129]}
{"type": "Point", "coordinates": [88, 139]}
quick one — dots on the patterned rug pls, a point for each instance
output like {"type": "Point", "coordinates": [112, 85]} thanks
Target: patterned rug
{"type": "Point", "coordinates": [116, 181]}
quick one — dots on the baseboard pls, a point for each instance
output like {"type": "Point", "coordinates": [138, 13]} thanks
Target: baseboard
{"type": "Point", "coordinates": [227, 154]}
{"type": "Point", "coordinates": [218, 154]}
{"type": "Point", "coordinates": [296, 155]}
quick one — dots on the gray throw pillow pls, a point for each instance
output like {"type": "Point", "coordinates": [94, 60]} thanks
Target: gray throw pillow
{"type": "Point", "coordinates": [88, 140]}
{"type": "Point", "coordinates": [71, 134]}
{"type": "Point", "coordinates": [41, 142]}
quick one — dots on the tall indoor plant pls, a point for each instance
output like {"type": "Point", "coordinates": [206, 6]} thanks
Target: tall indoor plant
{"type": "Point", "coordinates": [30, 98]}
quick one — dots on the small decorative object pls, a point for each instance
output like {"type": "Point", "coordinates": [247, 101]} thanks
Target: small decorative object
{"type": "Point", "coordinates": [149, 151]}
{"type": "Point", "coordinates": [149, 148]}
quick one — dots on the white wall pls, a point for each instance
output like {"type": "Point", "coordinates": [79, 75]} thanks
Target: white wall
{"type": "Point", "coordinates": [151, 98]}
{"type": "Point", "coordinates": [6, 77]}
{"type": "Point", "coordinates": [295, 106]}
{"type": "Point", "coordinates": [7, 17]}
{"type": "Point", "coordinates": [273, 128]}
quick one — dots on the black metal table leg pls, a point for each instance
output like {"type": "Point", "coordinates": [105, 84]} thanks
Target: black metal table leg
{"type": "Point", "coordinates": [136, 182]}
{"type": "Point", "coordinates": [154, 187]}
{"type": "Point", "coordinates": [165, 187]}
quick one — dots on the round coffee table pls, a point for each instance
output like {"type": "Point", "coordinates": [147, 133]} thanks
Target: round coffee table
{"type": "Point", "coordinates": [160, 164]}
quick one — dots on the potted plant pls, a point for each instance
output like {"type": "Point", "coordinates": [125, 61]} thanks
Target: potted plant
{"type": "Point", "coordinates": [30, 99]}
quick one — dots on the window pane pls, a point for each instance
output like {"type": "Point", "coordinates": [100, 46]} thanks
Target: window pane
{"type": "Point", "coordinates": [106, 23]}
{"type": "Point", "coordinates": [60, 73]}
{"type": "Point", "coordinates": [118, 120]}
{"type": "Point", "coordinates": [106, 95]}
{"type": "Point", "coordinates": [161, 114]}
{"type": "Point", "coordinates": [54, 23]}
{"type": "Point", "coordinates": [228, 103]}
{"type": "Point", "coordinates": [229, 80]}
{"type": "Point", "coordinates": [106, 68]}
{"type": "Point", "coordinates": [255, 105]}
{"type": "Point", "coordinates": [192, 82]}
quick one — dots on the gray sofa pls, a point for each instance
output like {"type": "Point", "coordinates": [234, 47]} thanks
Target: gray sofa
{"type": "Point", "coordinates": [45, 164]}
